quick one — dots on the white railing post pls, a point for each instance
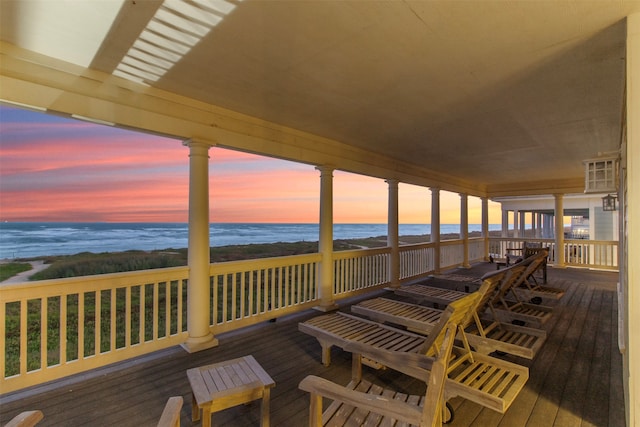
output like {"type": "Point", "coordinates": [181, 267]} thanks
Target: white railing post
{"type": "Point", "coordinates": [198, 309]}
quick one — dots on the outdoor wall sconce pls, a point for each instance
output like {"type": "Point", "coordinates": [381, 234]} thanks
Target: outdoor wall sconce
{"type": "Point", "coordinates": [609, 202]}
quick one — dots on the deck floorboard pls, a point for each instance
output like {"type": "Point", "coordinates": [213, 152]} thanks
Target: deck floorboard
{"type": "Point", "coordinates": [576, 378]}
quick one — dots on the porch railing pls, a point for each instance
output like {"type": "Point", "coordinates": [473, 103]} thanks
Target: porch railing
{"type": "Point", "coordinates": [416, 260]}
{"type": "Point", "coordinates": [355, 271]}
{"type": "Point", "coordinates": [55, 328]}
{"type": "Point", "coordinates": [598, 254]}
{"type": "Point", "coordinates": [248, 292]}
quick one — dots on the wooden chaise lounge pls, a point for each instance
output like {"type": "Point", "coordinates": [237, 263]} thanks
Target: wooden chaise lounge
{"type": "Point", "coordinates": [486, 336]}
{"type": "Point", "coordinates": [505, 306]}
{"type": "Point", "coordinates": [364, 403]}
{"type": "Point", "coordinates": [490, 382]}
{"type": "Point", "coordinates": [529, 289]}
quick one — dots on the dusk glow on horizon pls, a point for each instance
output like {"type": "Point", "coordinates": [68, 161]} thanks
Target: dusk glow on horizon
{"type": "Point", "coordinates": [55, 169]}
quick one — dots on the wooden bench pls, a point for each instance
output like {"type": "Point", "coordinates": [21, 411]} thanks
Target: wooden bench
{"type": "Point", "coordinates": [488, 381]}
{"type": "Point", "coordinates": [364, 403]}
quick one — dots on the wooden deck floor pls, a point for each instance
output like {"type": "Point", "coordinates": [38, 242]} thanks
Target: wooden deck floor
{"type": "Point", "coordinates": [575, 380]}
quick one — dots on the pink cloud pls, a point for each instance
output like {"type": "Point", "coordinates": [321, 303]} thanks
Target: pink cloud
{"type": "Point", "coordinates": [64, 170]}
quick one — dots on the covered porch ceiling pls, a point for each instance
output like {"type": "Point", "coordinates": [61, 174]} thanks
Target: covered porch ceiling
{"type": "Point", "coordinates": [500, 98]}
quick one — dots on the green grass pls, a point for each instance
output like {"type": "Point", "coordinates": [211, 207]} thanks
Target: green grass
{"type": "Point", "coordinates": [10, 269]}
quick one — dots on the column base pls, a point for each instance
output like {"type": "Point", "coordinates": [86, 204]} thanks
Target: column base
{"type": "Point", "coordinates": [194, 345]}
{"type": "Point", "coordinates": [326, 308]}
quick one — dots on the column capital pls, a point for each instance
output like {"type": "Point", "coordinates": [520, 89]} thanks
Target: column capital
{"type": "Point", "coordinates": [392, 182]}
{"type": "Point", "coordinates": [325, 169]}
{"type": "Point", "coordinates": [198, 143]}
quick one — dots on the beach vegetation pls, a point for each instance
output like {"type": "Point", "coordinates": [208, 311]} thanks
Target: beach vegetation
{"type": "Point", "coordinates": [89, 263]}
{"type": "Point", "coordinates": [10, 269]}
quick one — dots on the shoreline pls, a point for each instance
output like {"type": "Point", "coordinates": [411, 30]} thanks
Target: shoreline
{"type": "Point", "coordinates": [91, 263]}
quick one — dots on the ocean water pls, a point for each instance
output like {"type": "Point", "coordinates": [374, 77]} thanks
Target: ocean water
{"type": "Point", "coordinates": [33, 239]}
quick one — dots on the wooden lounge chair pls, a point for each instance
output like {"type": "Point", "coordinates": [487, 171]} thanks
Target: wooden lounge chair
{"type": "Point", "coordinates": [26, 419]}
{"type": "Point", "coordinates": [486, 336]}
{"type": "Point", "coordinates": [526, 251]}
{"type": "Point", "coordinates": [171, 414]}
{"type": "Point", "coordinates": [488, 381]}
{"type": "Point", "coordinates": [505, 306]}
{"type": "Point", "coordinates": [529, 289]}
{"type": "Point", "coordinates": [364, 403]}
{"type": "Point", "coordinates": [437, 289]}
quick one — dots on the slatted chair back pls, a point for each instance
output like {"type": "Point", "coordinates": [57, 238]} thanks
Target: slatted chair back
{"type": "Point", "coordinates": [458, 312]}
{"type": "Point", "coordinates": [538, 260]}
{"type": "Point", "coordinates": [519, 272]}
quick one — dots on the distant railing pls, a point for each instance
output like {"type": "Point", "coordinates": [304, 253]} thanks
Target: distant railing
{"type": "Point", "coordinates": [416, 260]}
{"type": "Point", "coordinates": [248, 292]}
{"type": "Point", "coordinates": [451, 253]}
{"type": "Point", "coordinates": [361, 269]}
{"type": "Point", "coordinates": [598, 254]}
{"type": "Point", "coordinates": [476, 249]}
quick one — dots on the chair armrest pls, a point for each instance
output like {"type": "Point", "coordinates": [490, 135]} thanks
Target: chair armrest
{"type": "Point", "coordinates": [26, 419]}
{"type": "Point", "coordinates": [378, 404]}
{"type": "Point", "coordinates": [171, 414]}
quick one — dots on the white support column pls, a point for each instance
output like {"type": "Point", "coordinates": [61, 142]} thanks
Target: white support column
{"type": "Point", "coordinates": [392, 234]}
{"type": "Point", "coordinates": [505, 222]}
{"type": "Point", "coordinates": [516, 223]}
{"type": "Point", "coordinates": [325, 243]}
{"type": "Point", "coordinates": [435, 227]}
{"type": "Point", "coordinates": [485, 226]}
{"type": "Point", "coordinates": [464, 229]}
{"type": "Point", "coordinates": [559, 261]}
{"type": "Point", "coordinates": [631, 306]}
{"type": "Point", "coordinates": [523, 224]}
{"type": "Point", "coordinates": [198, 309]}
{"type": "Point", "coordinates": [548, 229]}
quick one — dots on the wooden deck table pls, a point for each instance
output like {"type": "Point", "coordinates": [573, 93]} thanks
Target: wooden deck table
{"type": "Point", "coordinates": [226, 384]}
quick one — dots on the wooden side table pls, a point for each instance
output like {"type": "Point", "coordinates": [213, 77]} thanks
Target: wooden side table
{"type": "Point", "coordinates": [226, 384]}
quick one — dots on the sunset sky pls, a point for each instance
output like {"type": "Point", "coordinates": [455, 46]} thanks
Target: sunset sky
{"type": "Point", "coordinates": [59, 169]}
